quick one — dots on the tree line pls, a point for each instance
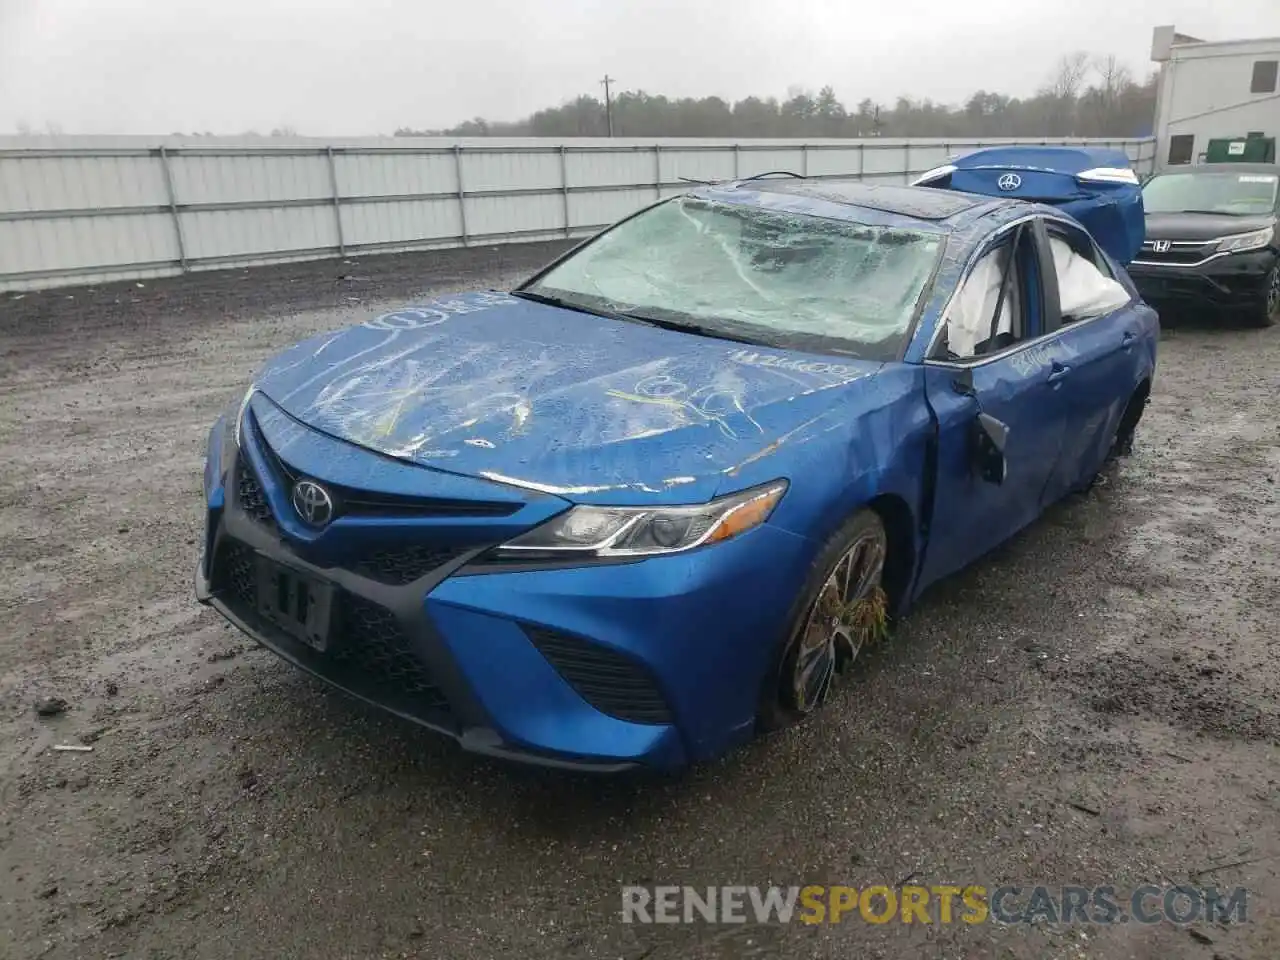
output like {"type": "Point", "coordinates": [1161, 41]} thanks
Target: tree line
{"type": "Point", "coordinates": [1084, 96]}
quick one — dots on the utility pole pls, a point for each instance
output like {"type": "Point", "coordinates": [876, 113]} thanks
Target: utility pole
{"type": "Point", "coordinates": [608, 102]}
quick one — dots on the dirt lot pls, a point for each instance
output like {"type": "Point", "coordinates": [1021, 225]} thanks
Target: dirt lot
{"type": "Point", "coordinates": [1098, 703]}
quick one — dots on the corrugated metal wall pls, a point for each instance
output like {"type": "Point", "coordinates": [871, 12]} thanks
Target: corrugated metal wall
{"type": "Point", "coordinates": [88, 209]}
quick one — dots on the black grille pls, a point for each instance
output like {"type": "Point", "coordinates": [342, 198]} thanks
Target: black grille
{"type": "Point", "coordinates": [377, 649]}
{"type": "Point", "coordinates": [371, 654]}
{"type": "Point", "coordinates": [1180, 251]}
{"type": "Point", "coordinates": [366, 503]}
{"type": "Point", "coordinates": [252, 499]}
{"type": "Point", "coordinates": [238, 575]}
{"type": "Point", "coordinates": [611, 682]}
{"type": "Point", "coordinates": [403, 565]}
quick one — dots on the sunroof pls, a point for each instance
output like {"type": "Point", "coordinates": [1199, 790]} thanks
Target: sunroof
{"type": "Point", "coordinates": [924, 203]}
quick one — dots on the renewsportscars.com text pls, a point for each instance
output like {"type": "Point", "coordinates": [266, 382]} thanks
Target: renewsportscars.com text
{"type": "Point", "coordinates": [940, 903]}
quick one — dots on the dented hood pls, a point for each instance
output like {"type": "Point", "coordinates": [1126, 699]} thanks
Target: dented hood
{"type": "Point", "coordinates": [1096, 186]}
{"type": "Point", "coordinates": [569, 403]}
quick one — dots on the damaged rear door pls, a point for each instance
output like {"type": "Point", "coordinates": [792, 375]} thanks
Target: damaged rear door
{"type": "Point", "coordinates": [1097, 331]}
{"type": "Point", "coordinates": [999, 434]}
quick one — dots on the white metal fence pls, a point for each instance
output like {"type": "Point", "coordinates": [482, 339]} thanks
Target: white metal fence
{"type": "Point", "coordinates": [77, 210]}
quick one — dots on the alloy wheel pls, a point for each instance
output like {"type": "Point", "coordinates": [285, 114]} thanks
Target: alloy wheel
{"type": "Point", "coordinates": [833, 634]}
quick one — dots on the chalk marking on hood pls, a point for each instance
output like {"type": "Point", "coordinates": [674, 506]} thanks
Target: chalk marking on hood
{"type": "Point", "coordinates": [773, 447]}
{"type": "Point", "coordinates": [545, 487]}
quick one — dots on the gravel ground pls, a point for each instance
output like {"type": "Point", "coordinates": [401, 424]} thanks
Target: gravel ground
{"type": "Point", "coordinates": [1096, 703]}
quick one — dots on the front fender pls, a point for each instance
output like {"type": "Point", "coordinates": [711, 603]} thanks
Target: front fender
{"type": "Point", "coordinates": [874, 445]}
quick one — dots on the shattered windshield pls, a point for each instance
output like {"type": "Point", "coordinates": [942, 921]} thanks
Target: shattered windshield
{"type": "Point", "coordinates": [767, 276]}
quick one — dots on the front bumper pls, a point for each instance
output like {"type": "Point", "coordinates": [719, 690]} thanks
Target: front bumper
{"type": "Point", "coordinates": [1233, 282]}
{"type": "Point", "coordinates": [651, 664]}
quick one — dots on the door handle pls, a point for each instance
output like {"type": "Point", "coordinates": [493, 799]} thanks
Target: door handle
{"type": "Point", "coordinates": [1126, 341]}
{"type": "Point", "coordinates": [1059, 372]}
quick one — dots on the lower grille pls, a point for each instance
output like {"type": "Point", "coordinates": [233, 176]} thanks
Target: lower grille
{"type": "Point", "coordinates": [239, 575]}
{"type": "Point", "coordinates": [611, 682]}
{"type": "Point", "coordinates": [377, 649]}
{"type": "Point", "coordinates": [404, 564]}
{"type": "Point", "coordinates": [372, 654]}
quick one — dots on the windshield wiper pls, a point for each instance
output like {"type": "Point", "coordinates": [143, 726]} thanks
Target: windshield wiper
{"type": "Point", "coordinates": [563, 304]}
{"type": "Point", "coordinates": [697, 329]}
{"type": "Point", "coordinates": [631, 317]}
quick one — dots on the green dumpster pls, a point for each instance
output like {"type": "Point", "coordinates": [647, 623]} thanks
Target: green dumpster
{"type": "Point", "coordinates": [1251, 149]}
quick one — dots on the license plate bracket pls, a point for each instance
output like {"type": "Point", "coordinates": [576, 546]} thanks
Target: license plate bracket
{"type": "Point", "coordinates": [298, 604]}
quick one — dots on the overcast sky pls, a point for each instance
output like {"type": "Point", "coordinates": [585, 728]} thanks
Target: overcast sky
{"type": "Point", "coordinates": [335, 67]}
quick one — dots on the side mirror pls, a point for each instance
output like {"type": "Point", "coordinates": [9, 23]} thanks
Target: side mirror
{"type": "Point", "coordinates": [987, 439]}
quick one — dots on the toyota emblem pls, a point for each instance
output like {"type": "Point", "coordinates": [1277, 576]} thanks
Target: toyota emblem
{"type": "Point", "coordinates": [313, 503]}
{"type": "Point", "coordinates": [1010, 181]}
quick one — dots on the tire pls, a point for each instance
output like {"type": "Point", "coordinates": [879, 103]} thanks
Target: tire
{"type": "Point", "coordinates": [1266, 312]}
{"type": "Point", "coordinates": [1122, 445]}
{"type": "Point", "coordinates": [856, 554]}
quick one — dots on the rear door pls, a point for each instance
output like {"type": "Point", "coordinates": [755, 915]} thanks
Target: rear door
{"type": "Point", "coordinates": [985, 359]}
{"type": "Point", "coordinates": [1094, 335]}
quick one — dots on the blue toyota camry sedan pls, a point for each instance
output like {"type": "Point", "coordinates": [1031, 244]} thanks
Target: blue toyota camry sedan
{"type": "Point", "coordinates": [657, 497]}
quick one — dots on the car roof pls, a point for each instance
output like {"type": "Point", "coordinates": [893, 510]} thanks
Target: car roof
{"type": "Point", "coordinates": [1265, 169]}
{"type": "Point", "coordinates": [926, 203]}
{"type": "Point", "coordinates": [847, 198]}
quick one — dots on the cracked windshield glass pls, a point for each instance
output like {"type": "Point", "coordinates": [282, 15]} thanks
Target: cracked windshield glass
{"type": "Point", "coordinates": [774, 276]}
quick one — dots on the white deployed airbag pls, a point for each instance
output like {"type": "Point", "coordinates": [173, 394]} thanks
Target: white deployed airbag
{"type": "Point", "coordinates": [1083, 290]}
{"type": "Point", "coordinates": [969, 320]}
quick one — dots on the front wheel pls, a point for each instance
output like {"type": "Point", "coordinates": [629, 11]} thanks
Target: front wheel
{"type": "Point", "coordinates": [1267, 311]}
{"type": "Point", "coordinates": [842, 607]}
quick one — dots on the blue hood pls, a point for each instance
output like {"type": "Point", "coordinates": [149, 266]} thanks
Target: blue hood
{"type": "Point", "coordinates": [1095, 186]}
{"type": "Point", "coordinates": [492, 386]}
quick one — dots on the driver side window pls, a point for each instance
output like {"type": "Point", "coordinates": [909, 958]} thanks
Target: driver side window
{"type": "Point", "coordinates": [988, 313]}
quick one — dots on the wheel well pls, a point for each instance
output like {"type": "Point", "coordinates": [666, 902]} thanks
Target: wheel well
{"type": "Point", "coordinates": [1133, 412]}
{"type": "Point", "coordinates": [899, 528]}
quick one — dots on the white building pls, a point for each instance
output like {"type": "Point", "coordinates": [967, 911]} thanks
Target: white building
{"type": "Point", "coordinates": [1210, 90]}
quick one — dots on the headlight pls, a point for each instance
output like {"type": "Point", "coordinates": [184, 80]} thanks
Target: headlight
{"type": "Point", "coordinates": [587, 531]}
{"type": "Point", "coordinates": [232, 417]}
{"type": "Point", "coordinates": [1253, 240]}
{"type": "Point", "coordinates": [239, 414]}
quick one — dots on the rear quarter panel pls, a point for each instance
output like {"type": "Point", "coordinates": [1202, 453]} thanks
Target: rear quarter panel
{"type": "Point", "coordinates": [1149, 350]}
{"type": "Point", "coordinates": [1148, 320]}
